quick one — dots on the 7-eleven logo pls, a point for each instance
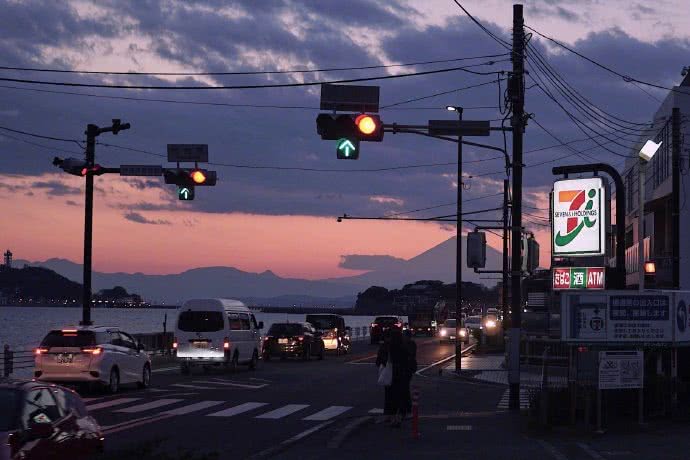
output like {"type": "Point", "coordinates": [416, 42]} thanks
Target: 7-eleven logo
{"type": "Point", "coordinates": [576, 217]}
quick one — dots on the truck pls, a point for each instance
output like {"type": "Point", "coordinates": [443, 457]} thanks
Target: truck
{"type": "Point", "coordinates": [422, 322]}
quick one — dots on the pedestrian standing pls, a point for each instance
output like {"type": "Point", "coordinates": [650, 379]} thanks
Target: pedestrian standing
{"type": "Point", "coordinates": [382, 358]}
{"type": "Point", "coordinates": [411, 348]}
{"type": "Point", "coordinates": [399, 355]}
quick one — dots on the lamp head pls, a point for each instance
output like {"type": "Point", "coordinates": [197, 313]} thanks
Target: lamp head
{"type": "Point", "coordinates": [648, 150]}
{"type": "Point", "coordinates": [451, 108]}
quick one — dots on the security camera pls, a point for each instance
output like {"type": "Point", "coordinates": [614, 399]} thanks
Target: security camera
{"type": "Point", "coordinates": [648, 150]}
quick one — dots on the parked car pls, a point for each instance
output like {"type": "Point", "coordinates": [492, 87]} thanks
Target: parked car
{"type": "Point", "coordinates": [99, 355]}
{"type": "Point", "coordinates": [447, 331]}
{"type": "Point", "coordinates": [45, 421]}
{"type": "Point", "coordinates": [215, 332]}
{"type": "Point", "coordinates": [293, 340]}
{"type": "Point", "coordinates": [334, 333]}
{"type": "Point", "coordinates": [381, 324]}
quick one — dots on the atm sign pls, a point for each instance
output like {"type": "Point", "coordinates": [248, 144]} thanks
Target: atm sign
{"type": "Point", "coordinates": [578, 278]}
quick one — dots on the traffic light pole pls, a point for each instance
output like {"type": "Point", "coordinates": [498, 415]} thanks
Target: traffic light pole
{"type": "Point", "coordinates": [506, 204]}
{"type": "Point", "coordinates": [517, 96]}
{"type": "Point", "coordinates": [92, 131]}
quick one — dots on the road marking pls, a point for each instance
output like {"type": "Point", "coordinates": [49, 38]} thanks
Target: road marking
{"type": "Point", "coordinates": [272, 451]}
{"type": "Point", "coordinates": [149, 405]}
{"type": "Point", "coordinates": [112, 402]}
{"type": "Point", "coordinates": [336, 441]}
{"type": "Point", "coordinates": [552, 450]}
{"type": "Point", "coordinates": [591, 452]}
{"type": "Point", "coordinates": [283, 411]}
{"type": "Point", "coordinates": [465, 350]}
{"type": "Point", "coordinates": [376, 411]}
{"type": "Point", "coordinates": [504, 403]}
{"type": "Point", "coordinates": [362, 359]}
{"type": "Point", "coordinates": [193, 407]}
{"type": "Point", "coordinates": [165, 369]}
{"type": "Point", "coordinates": [232, 384]}
{"type": "Point", "coordinates": [246, 407]}
{"type": "Point", "coordinates": [328, 413]}
{"type": "Point", "coordinates": [459, 428]}
{"type": "Point", "coordinates": [134, 423]}
{"type": "Point", "coordinates": [195, 387]}
{"type": "Point", "coordinates": [260, 380]}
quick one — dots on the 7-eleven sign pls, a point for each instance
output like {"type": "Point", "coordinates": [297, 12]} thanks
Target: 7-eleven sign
{"type": "Point", "coordinates": [578, 278]}
{"type": "Point", "coordinates": [579, 217]}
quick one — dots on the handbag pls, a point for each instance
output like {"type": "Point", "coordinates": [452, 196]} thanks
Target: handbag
{"type": "Point", "coordinates": [386, 374]}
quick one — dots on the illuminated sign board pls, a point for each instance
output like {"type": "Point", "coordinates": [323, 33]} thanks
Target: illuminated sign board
{"type": "Point", "coordinates": [578, 278]}
{"type": "Point", "coordinates": [579, 217]}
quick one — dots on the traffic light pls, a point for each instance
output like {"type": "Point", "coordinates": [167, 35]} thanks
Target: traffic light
{"type": "Point", "coordinates": [73, 166]}
{"type": "Point", "coordinates": [185, 193]}
{"type": "Point", "coordinates": [363, 127]}
{"type": "Point", "coordinates": [347, 149]}
{"type": "Point", "coordinates": [192, 177]}
{"type": "Point", "coordinates": [369, 128]}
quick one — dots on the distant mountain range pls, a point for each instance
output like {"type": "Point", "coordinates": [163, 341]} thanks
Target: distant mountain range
{"type": "Point", "coordinates": [269, 289]}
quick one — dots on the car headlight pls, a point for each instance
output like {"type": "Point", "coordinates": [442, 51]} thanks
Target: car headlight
{"type": "Point", "coordinates": [490, 324]}
{"type": "Point", "coordinates": [463, 332]}
{"type": "Point", "coordinates": [443, 332]}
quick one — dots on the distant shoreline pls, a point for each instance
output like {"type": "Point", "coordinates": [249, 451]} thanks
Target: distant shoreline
{"type": "Point", "coordinates": [151, 307]}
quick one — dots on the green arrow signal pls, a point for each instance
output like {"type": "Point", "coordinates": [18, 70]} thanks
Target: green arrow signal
{"type": "Point", "coordinates": [185, 193]}
{"type": "Point", "coordinates": [347, 149]}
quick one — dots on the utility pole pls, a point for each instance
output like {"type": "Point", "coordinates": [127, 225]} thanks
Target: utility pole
{"type": "Point", "coordinates": [506, 191]}
{"type": "Point", "coordinates": [517, 96]}
{"type": "Point", "coordinates": [459, 323]}
{"type": "Point", "coordinates": [92, 131]}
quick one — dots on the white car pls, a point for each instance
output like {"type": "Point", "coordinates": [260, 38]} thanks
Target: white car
{"type": "Point", "coordinates": [215, 332]}
{"type": "Point", "coordinates": [89, 354]}
{"type": "Point", "coordinates": [447, 332]}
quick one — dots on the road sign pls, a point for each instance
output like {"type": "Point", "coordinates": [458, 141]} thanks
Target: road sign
{"type": "Point", "coordinates": [141, 170]}
{"type": "Point", "coordinates": [621, 369]}
{"type": "Point", "coordinates": [350, 98]}
{"type": "Point", "coordinates": [180, 153]}
{"type": "Point", "coordinates": [347, 149]}
{"type": "Point", "coordinates": [461, 127]}
{"type": "Point", "coordinates": [578, 278]}
{"type": "Point", "coordinates": [579, 217]}
{"type": "Point", "coordinates": [185, 193]}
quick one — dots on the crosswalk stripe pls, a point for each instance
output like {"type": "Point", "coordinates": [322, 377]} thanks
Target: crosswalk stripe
{"type": "Point", "coordinates": [112, 402]}
{"type": "Point", "coordinates": [150, 405]}
{"type": "Point", "coordinates": [196, 387]}
{"type": "Point", "coordinates": [283, 411]}
{"type": "Point", "coordinates": [193, 407]}
{"type": "Point", "coordinates": [246, 407]}
{"type": "Point", "coordinates": [232, 384]}
{"type": "Point", "coordinates": [328, 413]}
{"type": "Point", "coordinates": [377, 410]}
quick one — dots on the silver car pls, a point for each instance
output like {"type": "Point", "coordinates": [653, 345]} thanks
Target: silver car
{"type": "Point", "coordinates": [447, 332]}
{"type": "Point", "coordinates": [96, 355]}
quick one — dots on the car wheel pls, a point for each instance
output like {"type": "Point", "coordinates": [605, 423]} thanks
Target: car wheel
{"type": "Point", "coordinates": [307, 353]}
{"type": "Point", "coordinates": [114, 381]}
{"type": "Point", "coordinates": [254, 362]}
{"type": "Point", "coordinates": [322, 354]}
{"type": "Point", "coordinates": [145, 377]}
{"type": "Point", "coordinates": [184, 369]}
{"type": "Point", "coordinates": [232, 365]}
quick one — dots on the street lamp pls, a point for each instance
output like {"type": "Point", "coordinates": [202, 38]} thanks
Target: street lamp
{"type": "Point", "coordinates": [459, 323]}
{"type": "Point", "coordinates": [646, 153]}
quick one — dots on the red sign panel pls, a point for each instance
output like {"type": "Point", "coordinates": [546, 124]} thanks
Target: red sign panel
{"type": "Point", "coordinates": [578, 278]}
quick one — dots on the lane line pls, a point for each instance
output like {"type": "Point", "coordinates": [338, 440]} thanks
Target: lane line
{"type": "Point", "coordinates": [459, 428]}
{"type": "Point", "coordinates": [193, 407]}
{"type": "Point", "coordinates": [194, 387]}
{"type": "Point", "coordinates": [165, 369]}
{"type": "Point", "coordinates": [464, 350]}
{"type": "Point", "coordinates": [306, 433]}
{"type": "Point", "coordinates": [591, 452]}
{"type": "Point", "coordinates": [362, 359]}
{"type": "Point", "coordinates": [246, 407]}
{"type": "Point", "coordinates": [376, 411]}
{"type": "Point", "coordinates": [283, 411]}
{"type": "Point", "coordinates": [112, 402]}
{"type": "Point", "coordinates": [232, 384]}
{"type": "Point", "coordinates": [136, 423]}
{"type": "Point", "coordinates": [328, 413]}
{"type": "Point", "coordinates": [149, 405]}
{"type": "Point", "coordinates": [551, 450]}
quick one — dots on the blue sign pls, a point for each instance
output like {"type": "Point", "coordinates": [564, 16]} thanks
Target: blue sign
{"type": "Point", "coordinates": [639, 308]}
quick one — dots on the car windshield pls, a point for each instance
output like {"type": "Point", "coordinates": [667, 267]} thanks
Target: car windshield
{"type": "Point", "coordinates": [323, 322]}
{"type": "Point", "coordinates": [473, 320]}
{"type": "Point", "coordinates": [69, 338]}
{"type": "Point", "coordinates": [449, 323]}
{"type": "Point", "coordinates": [200, 321]}
{"type": "Point", "coordinates": [285, 329]}
{"type": "Point", "coordinates": [386, 320]}
{"type": "Point", "coordinates": [9, 401]}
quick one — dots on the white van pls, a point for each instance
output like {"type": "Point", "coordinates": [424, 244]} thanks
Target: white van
{"type": "Point", "coordinates": [215, 332]}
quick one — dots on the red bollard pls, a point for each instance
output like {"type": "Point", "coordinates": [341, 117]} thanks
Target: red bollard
{"type": "Point", "coordinates": [415, 413]}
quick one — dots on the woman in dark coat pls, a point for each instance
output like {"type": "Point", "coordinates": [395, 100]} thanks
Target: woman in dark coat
{"type": "Point", "coordinates": [381, 360]}
{"type": "Point", "coordinates": [399, 354]}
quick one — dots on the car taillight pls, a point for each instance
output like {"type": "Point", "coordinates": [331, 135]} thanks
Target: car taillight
{"type": "Point", "coordinates": [300, 338]}
{"type": "Point", "coordinates": [374, 324]}
{"type": "Point", "coordinates": [174, 343]}
{"type": "Point", "coordinates": [92, 351]}
{"type": "Point", "coordinates": [41, 350]}
{"type": "Point", "coordinates": [226, 343]}
{"type": "Point", "coordinates": [398, 324]}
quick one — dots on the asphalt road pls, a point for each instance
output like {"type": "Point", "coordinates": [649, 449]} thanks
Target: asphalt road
{"type": "Point", "coordinates": [242, 414]}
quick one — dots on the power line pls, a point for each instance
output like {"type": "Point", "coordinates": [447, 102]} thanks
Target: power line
{"type": "Point", "coordinates": [263, 86]}
{"type": "Point", "coordinates": [41, 136]}
{"type": "Point", "coordinates": [443, 205]}
{"type": "Point", "coordinates": [36, 144]}
{"type": "Point", "coordinates": [251, 72]}
{"type": "Point", "coordinates": [626, 78]}
{"type": "Point", "coordinates": [388, 106]}
{"type": "Point", "coordinates": [500, 41]}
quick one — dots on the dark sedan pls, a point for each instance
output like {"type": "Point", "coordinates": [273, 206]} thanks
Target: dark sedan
{"type": "Point", "coordinates": [44, 421]}
{"type": "Point", "coordinates": [293, 340]}
{"type": "Point", "coordinates": [381, 324]}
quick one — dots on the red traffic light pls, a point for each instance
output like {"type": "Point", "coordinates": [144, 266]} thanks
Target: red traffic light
{"type": "Point", "coordinates": [95, 170]}
{"type": "Point", "coordinates": [366, 124]}
{"type": "Point", "coordinates": [198, 176]}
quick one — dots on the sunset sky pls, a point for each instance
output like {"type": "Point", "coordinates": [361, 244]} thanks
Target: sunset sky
{"type": "Point", "coordinates": [278, 219]}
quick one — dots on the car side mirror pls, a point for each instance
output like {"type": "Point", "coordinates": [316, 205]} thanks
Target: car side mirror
{"type": "Point", "coordinates": [261, 324]}
{"type": "Point", "coordinates": [40, 430]}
